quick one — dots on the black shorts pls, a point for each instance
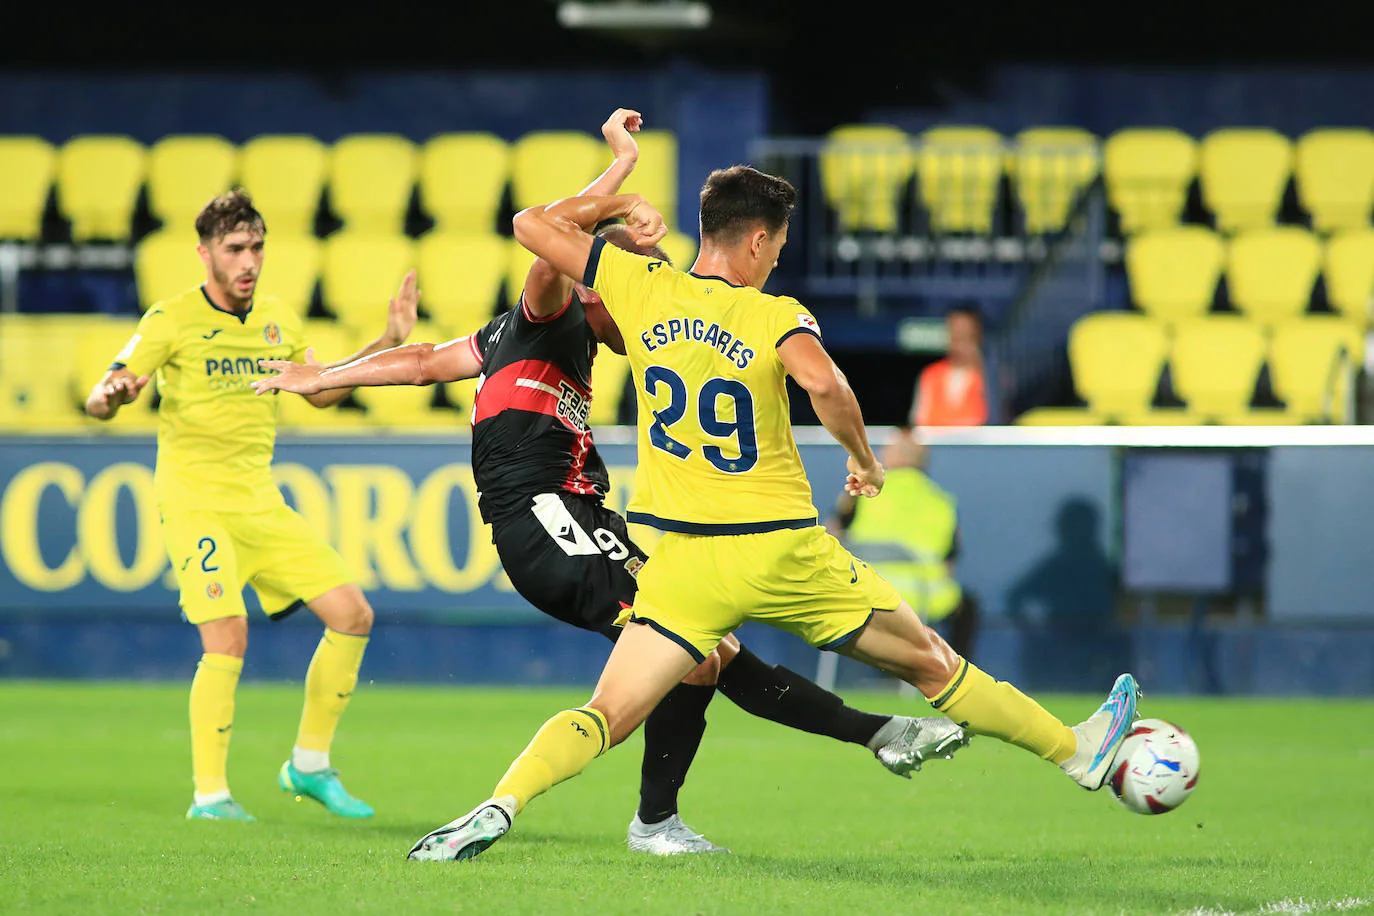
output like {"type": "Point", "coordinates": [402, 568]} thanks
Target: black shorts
{"type": "Point", "coordinates": [572, 558]}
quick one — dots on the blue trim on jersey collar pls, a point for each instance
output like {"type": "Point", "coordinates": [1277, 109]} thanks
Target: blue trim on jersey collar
{"type": "Point", "coordinates": [241, 316]}
{"type": "Point", "coordinates": [714, 277]}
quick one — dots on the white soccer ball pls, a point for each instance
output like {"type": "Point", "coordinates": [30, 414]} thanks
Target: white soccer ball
{"type": "Point", "coordinates": [1156, 767]}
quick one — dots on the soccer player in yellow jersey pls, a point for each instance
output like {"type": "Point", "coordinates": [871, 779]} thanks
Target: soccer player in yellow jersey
{"type": "Point", "coordinates": [720, 475]}
{"type": "Point", "coordinates": [224, 521]}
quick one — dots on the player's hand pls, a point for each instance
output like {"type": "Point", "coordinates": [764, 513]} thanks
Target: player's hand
{"type": "Point", "coordinates": [403, 312]}
{"type": "Point", "coordinates": [645, 224]}
{"type": "Point", "coordinates": [119, 390]}
{"type": "Point", "coordinates": [864, 480]}
{"type": "Point", "coordinates": [302, 378]}
{"type": "Point", "coordinates": [617, 130]}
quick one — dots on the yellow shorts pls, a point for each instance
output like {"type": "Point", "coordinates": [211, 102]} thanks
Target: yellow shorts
{"type": "Point", "coordinates": [214, 554]}
{"type": "Point", "coordinates": [695, 589]}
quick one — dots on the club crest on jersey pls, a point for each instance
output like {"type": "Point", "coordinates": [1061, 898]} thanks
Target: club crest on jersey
{"type": "Point", "coordinates": [633, 565]}
{"type": "Point", "coordinates": [272, 333]}
{"type": "Point", "coordinates": [214, 590]}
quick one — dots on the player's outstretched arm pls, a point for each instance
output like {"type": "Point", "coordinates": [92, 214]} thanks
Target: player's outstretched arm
{"type": "Point", "coordinates": [402, 313]}
{"type": "Point", "coordinates": [836, 407]}
{"type": "Point", "coordinates": [412, 364]}
{"type": "Point", "coordinates": [117, 388]}
{"type": "Point", "coordinates": [546, 288]}
{"type": "Point", "coordinates": [560, 232]}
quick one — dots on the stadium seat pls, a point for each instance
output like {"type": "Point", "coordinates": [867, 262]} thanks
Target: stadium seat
{"type": "Point", "coordinates": [461, 395]}
{"type": "Point", "coordinates": [27, 165]}
{"type": "Point", "coordinates": [864, 171]}
{"type": "Point", "coordinates": [98, 179]}
{"type": "Point", "coordinates": [519, 259]}
{"type": "Point", "coordinates": [166, 264]}
{"type": "Point", "coordinates": [655, 174]}
{"type": "Point", "coordinates": [550, 165]}
{"type": "Point", "coordinates": [1244, 172]}
{"type": "Point", "coordinates": [35, 376]}
{"type": "Point", "coordinates": [331, 341]}
{"type": "Point", "coordinates": [681, 249]}
{"type": "Point", "coordinates": [1051, 167]}
{"type": "Point", "coordinates": [1270, 272]}
{"type": "Point", "coordinates": [402, 405]}
{"type": "Point", "coordinates": [1173, 272]}
{"type": "Point", "coordinates": [1147, 172]}
{"type": "Point", "coordinates": [359, 273]}
{"type": "Point", "coordinates": [1215, 363]}
{"type": "Point", "coordinates": [1116, 360]}
{"type": "Point", "coordinates": [285, 175]}
{"type": "Point", "coordinates": [460, 278]}
{"type": "Point", "coordinates": [1058, 416]}
{"type": "Point", "coordinates": [462, 177]}
{"type": "Point", "coordinates": [185, 173]}
{"type": "Point", "coordinates": [608, 384]}
{"type": "Point", "coordinates": [1335, 173]}
{"type": "Point", "coordinates": [958, 169]}
{"type": "Point", "coordinates": [1312, 361]}
{"type": "Point", "coordinates": [1348, 270]}
{"type": "Point", "coordinates": [290, 269]}
{"type": "Point", "coordinates": [99, 339]}
{"type": "Point", "coordinates": [371, 178]}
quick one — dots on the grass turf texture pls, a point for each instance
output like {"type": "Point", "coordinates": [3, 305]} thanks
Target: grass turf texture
{"type": "Point", "coordinates": [95, 782]}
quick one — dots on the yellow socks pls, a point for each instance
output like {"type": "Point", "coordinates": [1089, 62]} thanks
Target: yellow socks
{"type": "Point", "coordinates": [329, 683]}
{"type": "Point", "coordinates": [212, 717]}
{"type": "Point", "coordinates": [988, 707]}
{"type": "Point", "coordinates": [561, 749]}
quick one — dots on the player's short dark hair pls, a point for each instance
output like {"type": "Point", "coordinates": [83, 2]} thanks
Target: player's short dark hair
{"type": "Point", "coordinates": [738, 199]}
{"type": "Point", "coordinates": [969, 308]}
{"type": "Point", "coordinates": [228, 213]}
{"type": "Point", "coordinates": [619, 236]}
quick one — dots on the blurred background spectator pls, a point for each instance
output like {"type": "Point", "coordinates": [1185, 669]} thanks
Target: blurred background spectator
{"type": "Point", "coordinates": [950, 391]}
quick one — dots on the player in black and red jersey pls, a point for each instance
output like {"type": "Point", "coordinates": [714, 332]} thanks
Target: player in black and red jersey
{"type": "Point", "coordinates": [542, 483]}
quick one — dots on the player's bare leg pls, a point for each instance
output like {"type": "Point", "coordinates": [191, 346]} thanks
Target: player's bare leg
{"type": "Point", "coordinates": [643, 667]}
{"type": "Point", "coordinates": [212, 717]}
{"type": "Point", "coordinates": [329, 684]}
{"type": "Point", "coordinates": [898, 642]}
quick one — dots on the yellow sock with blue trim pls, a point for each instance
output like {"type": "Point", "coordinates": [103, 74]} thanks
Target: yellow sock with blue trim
{"type": "Point", "coordinates": [329, 684]}
{"type": "Point", "coordinates": [988, 707]}
{"type": "Point", "coordinates": [560, 750]}
{"type": "Point", "coordinates": [212, 717]}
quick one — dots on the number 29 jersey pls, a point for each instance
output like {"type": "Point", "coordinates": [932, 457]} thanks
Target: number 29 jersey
{"type": "Point", "coordinates": [716, 450]}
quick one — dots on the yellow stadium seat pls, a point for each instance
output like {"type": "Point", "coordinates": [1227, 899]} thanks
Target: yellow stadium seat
{"type": "Point", "coordinates": [462, 177]}
{"type": "Point", "coordinates": [655, 174]}
{"type": "Point", "coordinates": [519, 260]}
{"type": "Point", "coordinates": [1215, 363]}
{"type": "Point", "coordinates": [1052, 166]}
{"type": "Point", "coordinates": [1147, 172]}
{"type": "Point", "coordinates": [27, 166]}
{"type": "Point", "coordinates": [864, 171]}
{"type": "Point", "coordinates": [285, 175]}
{"type": "Point", "coordinates": [681, 249]}
{"type": "Point", "coordinates": [1058, 416]}
{"type": "Point", "coordinates": [1335, 172]}
{"type": "Point", "coordinates": [1262, 416]}
{"type": "Point", "coordinates": [550, 165]}
{"type": "Point", "coordinates": [98, 341]}
{"type": "Point", "coordinates": [331, 342]}
{"type": "Point", "coordinates": [290, 269]}
{"type": "Point", "coordinates": [185, 173]}
{"type": "Point", "coordinates": [1270, 272]}
{"type": "Point", "coordinates": [461, 395]}
{"type": "Point", "coordinates": [608, 384]}
{"type": "Point", "coordinates": [371, 178]}
{"type": "Point", "coordinates": [1244, 172]}
{"type": "Point", "coordinates": [1163, 416]}
{"type": "Point", "coordinates": [166, 264]}
{"type": "Point", "coordinates": [402, 405]}
{"type": "Point", "coordinates": [98, 179]}
{"type": "Point", "coordinates": [1116, 360]}
{"type": "Point", "coordinates": [958, 170]}
{"type": "Point", "coordinates": [1349, 273]}
{"type": "Point", "coordinates": [1173, 272]}
{"type": "Point", "coordinates": [359, 273]}
{"type": "Point", "coordinates": [1312, 361]}
{"type": "Point", "coordinates": [35, 376]}
{"type": "Point", "coordinates": [460, 278]}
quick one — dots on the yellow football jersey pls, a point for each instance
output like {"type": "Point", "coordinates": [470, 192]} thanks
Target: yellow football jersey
{"type": "Point", "coordinates": [215, 436]}
{"type": "Point", "coordinates": [716, 450]}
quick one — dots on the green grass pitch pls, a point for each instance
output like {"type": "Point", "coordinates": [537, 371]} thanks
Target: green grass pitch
{"type": "Point", "coordinates": [94, 783]}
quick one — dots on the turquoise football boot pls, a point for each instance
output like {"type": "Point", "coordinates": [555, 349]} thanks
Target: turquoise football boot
{"type": "Point", "coordinates": [325, 788]}
{"type": "Point", "coordinates": [227, 810]}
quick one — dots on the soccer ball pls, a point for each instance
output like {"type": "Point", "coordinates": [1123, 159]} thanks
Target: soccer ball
{"type": "Point", "coordinates": [1156, 767]}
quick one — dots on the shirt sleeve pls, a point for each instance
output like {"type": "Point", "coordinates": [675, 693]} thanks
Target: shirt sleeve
{"type": "Point", "coordinates": [480, 341]}
{"type": "Point", "coordinates": [621, 279]}
{"type": "Point", "coordinates": [150, 347]}
{"type": "Point", "coordinates": [791, 317]}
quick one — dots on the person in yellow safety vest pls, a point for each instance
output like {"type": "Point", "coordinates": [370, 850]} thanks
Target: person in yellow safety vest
{"type": "Point", "coordinates": [910, 534]}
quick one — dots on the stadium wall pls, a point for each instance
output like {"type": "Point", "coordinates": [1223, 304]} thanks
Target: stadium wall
{"type": "Point", "coordinates": [85, 588]}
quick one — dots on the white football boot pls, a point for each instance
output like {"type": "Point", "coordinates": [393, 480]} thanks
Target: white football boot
{"type": "Point", "coordinates": [669, 837]}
